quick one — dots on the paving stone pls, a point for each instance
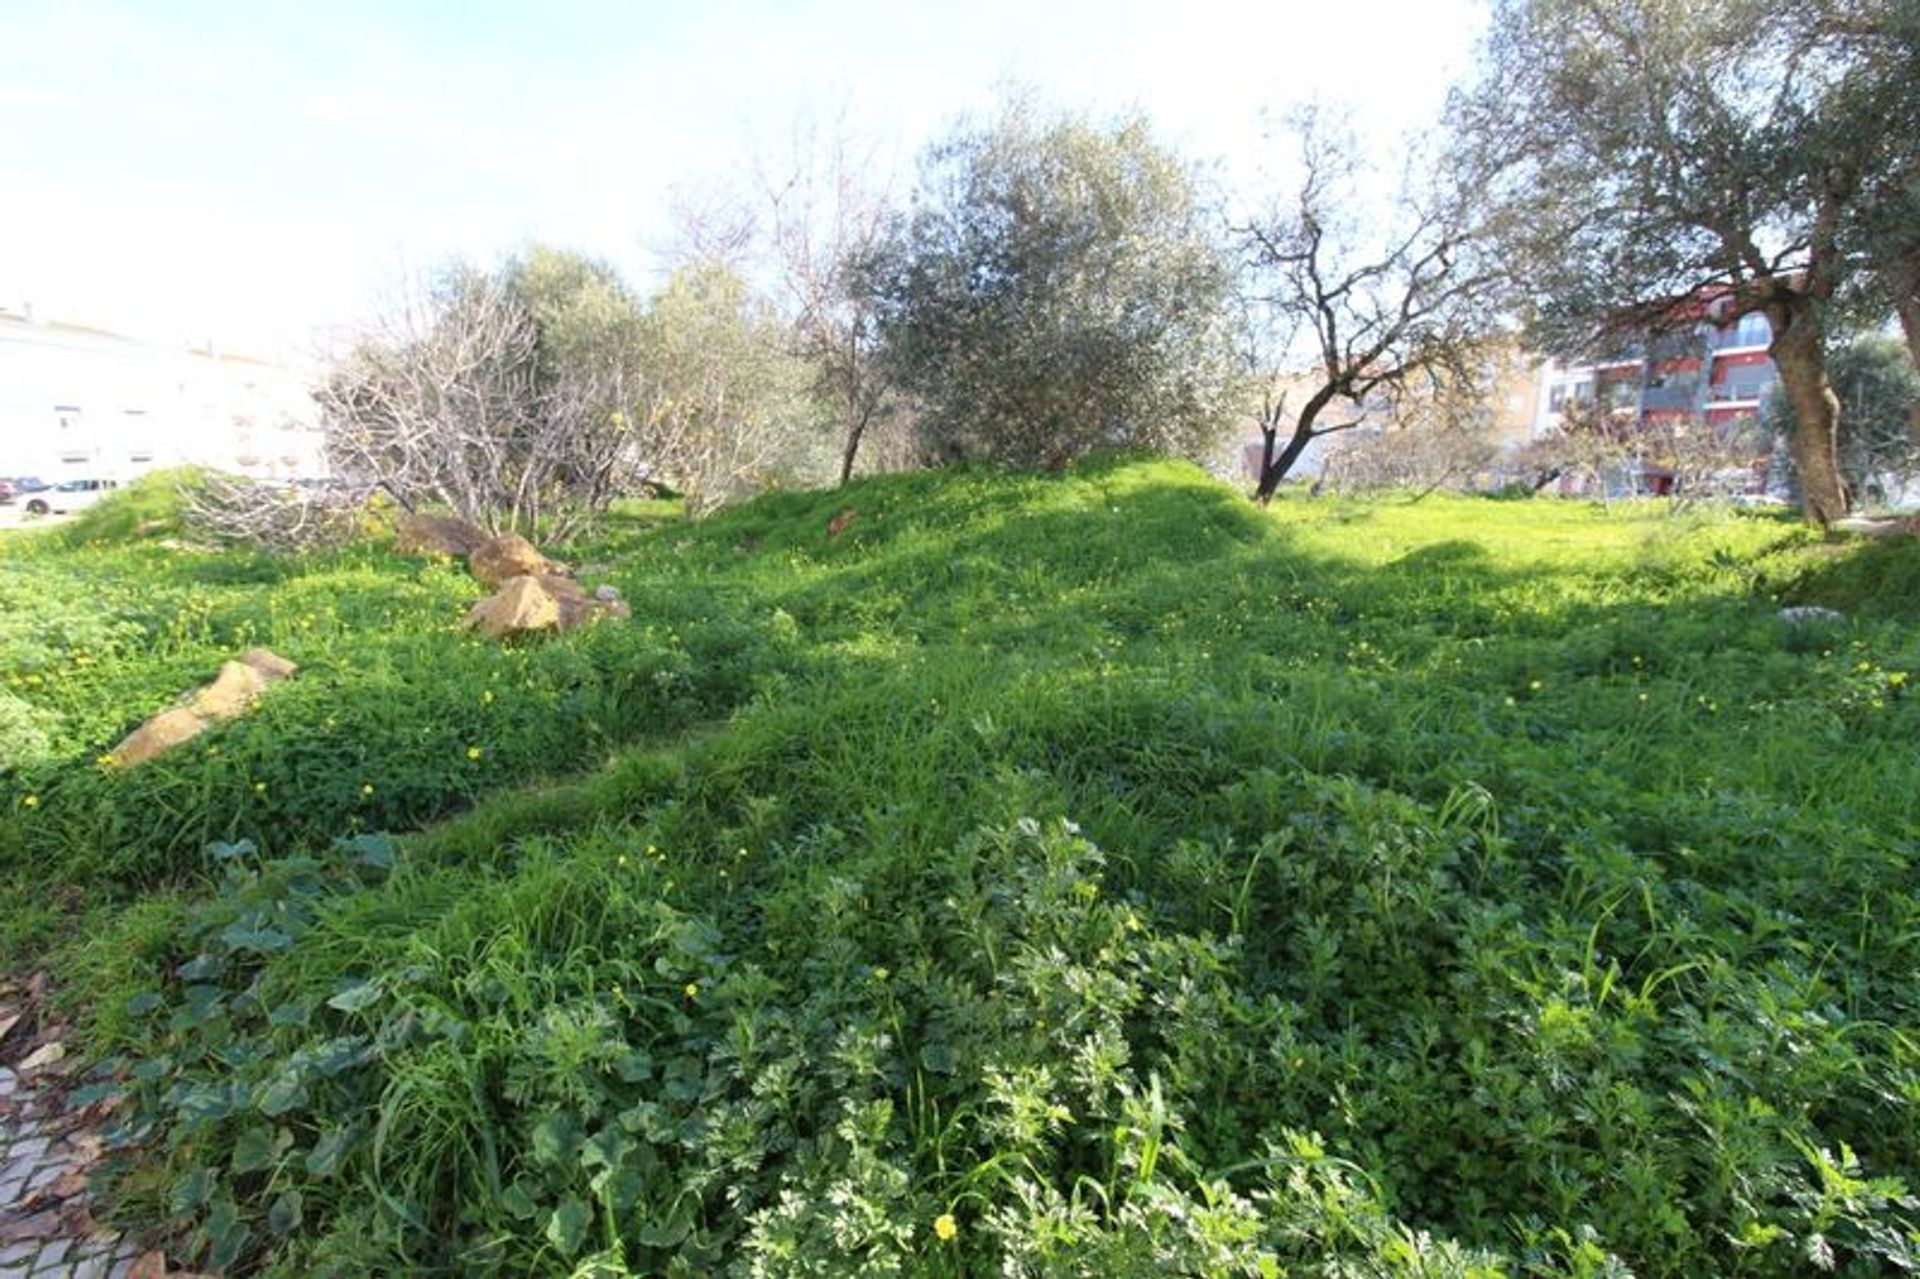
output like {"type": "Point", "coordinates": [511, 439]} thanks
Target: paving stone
{"type": "Point", "coordinates": [95, 1259]}
{"type": "Point", "coordinates": [18, 1253]}
{"type": "Point", "coordinates": [27, 1148]}
{"type": "Point", "coordinates": [53, 1253]}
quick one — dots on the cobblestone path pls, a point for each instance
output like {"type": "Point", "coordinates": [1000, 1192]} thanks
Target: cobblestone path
{"type": "Point", "coordinates": [47, 1230]}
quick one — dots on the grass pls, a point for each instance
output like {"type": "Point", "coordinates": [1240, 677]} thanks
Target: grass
{"type": "Point", "coordinates": [1140, 881]}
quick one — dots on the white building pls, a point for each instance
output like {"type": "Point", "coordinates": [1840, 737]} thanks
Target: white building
{"type": "Point", "coordinates": [80, 403]}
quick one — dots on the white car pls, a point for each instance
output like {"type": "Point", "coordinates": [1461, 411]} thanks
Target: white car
{"type": "Point", "coordinates": [68, 496]}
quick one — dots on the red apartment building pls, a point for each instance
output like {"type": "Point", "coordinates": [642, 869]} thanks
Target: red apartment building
{"type": "Point", "coordinates": [1716, 371]}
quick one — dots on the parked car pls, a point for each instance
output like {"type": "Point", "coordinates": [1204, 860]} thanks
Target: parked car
{"type": "Point", "coordinates": [68, 496]}
{"type": "Point", "coordinates": [6, 492]}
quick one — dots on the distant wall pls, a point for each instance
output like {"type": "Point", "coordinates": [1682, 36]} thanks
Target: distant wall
{"type": "Point", "coordinates": [78, 402]}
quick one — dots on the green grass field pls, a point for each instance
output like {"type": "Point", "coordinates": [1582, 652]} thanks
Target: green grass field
{"type": "Point", "coordinates": [1078, 875]}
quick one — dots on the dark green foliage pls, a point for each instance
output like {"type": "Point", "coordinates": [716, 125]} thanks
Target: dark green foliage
{"type": "Point", "coordinates": [1057, 290]}
{"type": "Point", "coordinates": [1148, 883]}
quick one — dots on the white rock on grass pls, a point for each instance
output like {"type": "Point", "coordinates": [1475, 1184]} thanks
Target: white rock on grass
{"type": "Point", "coordinates": [1810, 614]}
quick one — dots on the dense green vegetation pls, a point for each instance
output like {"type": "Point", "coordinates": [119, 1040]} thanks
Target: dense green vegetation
{"type": "Point", "coordinates": [1089, 874]}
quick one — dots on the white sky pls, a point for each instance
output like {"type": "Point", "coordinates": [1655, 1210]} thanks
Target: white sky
{"type": "Point", "coordinates": [254, 172]}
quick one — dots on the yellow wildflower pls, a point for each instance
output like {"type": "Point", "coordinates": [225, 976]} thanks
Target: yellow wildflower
{"type": "Point", "coordinates": [473, 752]}
{"type": "Point", "coordinates": [945, 1227]}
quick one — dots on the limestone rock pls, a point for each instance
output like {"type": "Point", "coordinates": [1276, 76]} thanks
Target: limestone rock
{"type": "Point", "coordinates": [233, 690]}
{"type": "Point", "coordinates": [232, 694]}
{"type": "Point", "coordinates": [530, 603]}
{"type": "Point", "coordinates": [437, 535]}
{"type": "Point", "coordinates": [520, 607]}
{"type": "Point", "coordinates": [509, 555]}
{"type": "Point", "coordinates": [269, 663]}
{"type": "Point", "coordinates": [562, 588]}
{"type": "Point", "coordinates": [158, 736]}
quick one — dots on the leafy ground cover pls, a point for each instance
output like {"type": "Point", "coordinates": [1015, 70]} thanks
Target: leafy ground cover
{"type": "Point", "coordinates": [1073, 875]}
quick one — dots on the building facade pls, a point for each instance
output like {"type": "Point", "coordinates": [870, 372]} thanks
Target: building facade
{"type": "Point", "coordinates": [83, 403]}
{"type": "Point", "coordinates": [1710, 376]}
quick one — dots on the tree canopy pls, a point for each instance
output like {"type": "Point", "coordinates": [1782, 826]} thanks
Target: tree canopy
{"type": "Point", "coordinates": [1658, 156]}
{"type": "Point", "coordinates": [1058, 288]}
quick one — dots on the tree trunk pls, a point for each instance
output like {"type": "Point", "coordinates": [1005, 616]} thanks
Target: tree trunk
{"type": "Point", "coordinates": [1274, 469]}
{"type": "Point", "coordinates": [1799, 353]}
{"type": "Point", "coordinates": [1909, 309]}
{"type": "Point", "coordinates": [854, 433]}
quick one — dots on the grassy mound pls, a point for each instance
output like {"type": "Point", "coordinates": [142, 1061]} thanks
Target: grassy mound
{"type": "Point", "coordinates": [1067, 875]}
{"type": "Point", "coordinates": [146, 509]}
{"type": "Point", "coordinates": [1879, 579]}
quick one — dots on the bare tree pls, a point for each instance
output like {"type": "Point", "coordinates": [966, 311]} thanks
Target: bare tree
{"type": "Point", "coordinates": [233, 510]}
{"type": "Point", "coordinates": [445, 400]}
{"type": "Point", "coordinates": [826, 216]}
{"type": "Point", "coordinates": [1363, 327]}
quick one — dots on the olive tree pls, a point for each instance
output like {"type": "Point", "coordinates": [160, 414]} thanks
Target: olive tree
{"type": "Point", "coordinates": [1057, 288]}
{"type": "Point", "coordinates": [723, 409]}
{"type": "Point", "coordinates": [1657, 155]}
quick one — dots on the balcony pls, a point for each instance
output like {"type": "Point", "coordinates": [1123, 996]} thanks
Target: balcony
{"type": "Point", "coordinates": [1662, 398]}
{"type": "Point", "coordinates": [1739, 391]}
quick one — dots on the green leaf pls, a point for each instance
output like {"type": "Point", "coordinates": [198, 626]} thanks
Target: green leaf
{"type": "Point", "coordinates": [518, 1202]}
{"type": "Point", "coordinates": [295, 1012]}
{"type": "Point", "coordinates": [144, 1002]}
{"type": "Point", "coordinates": [202, 967]}
{"type": "Point", "coordinates": [284, 1217]}
{"type": "Point", "coordinates": [354, 996]}
{"type": "Point", "coordinates": [225, 852]}
{"type": "Point", "coordinates": [89, 1094]}
{"type": "Point", "coordinates": [556, 1140]}
{"type": "Point", "coordinates": [567, 1227]}
{"type": "Point", "coordinates": [227, 1234]}
{"type": "Point", "coordinates": [343, 1052]}
{"type": "Point", "coordinates": [190, 1191]}
{"type": "Point", "coordinates": [255, 1149]}
{"type": "Point", "coordinates": [328, 1152]}
{"type": "Point", "coordinates": [285, 1092]}
{"type": "Point", "coordinates": [375, 850]}
{"type": "Point", "coordinates": [261, 941]}
{"type": "Point", "coordinates": [667, 1231]}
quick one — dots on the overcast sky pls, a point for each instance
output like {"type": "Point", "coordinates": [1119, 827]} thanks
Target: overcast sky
{"type": "Point", "coordinates": [255, 172]}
